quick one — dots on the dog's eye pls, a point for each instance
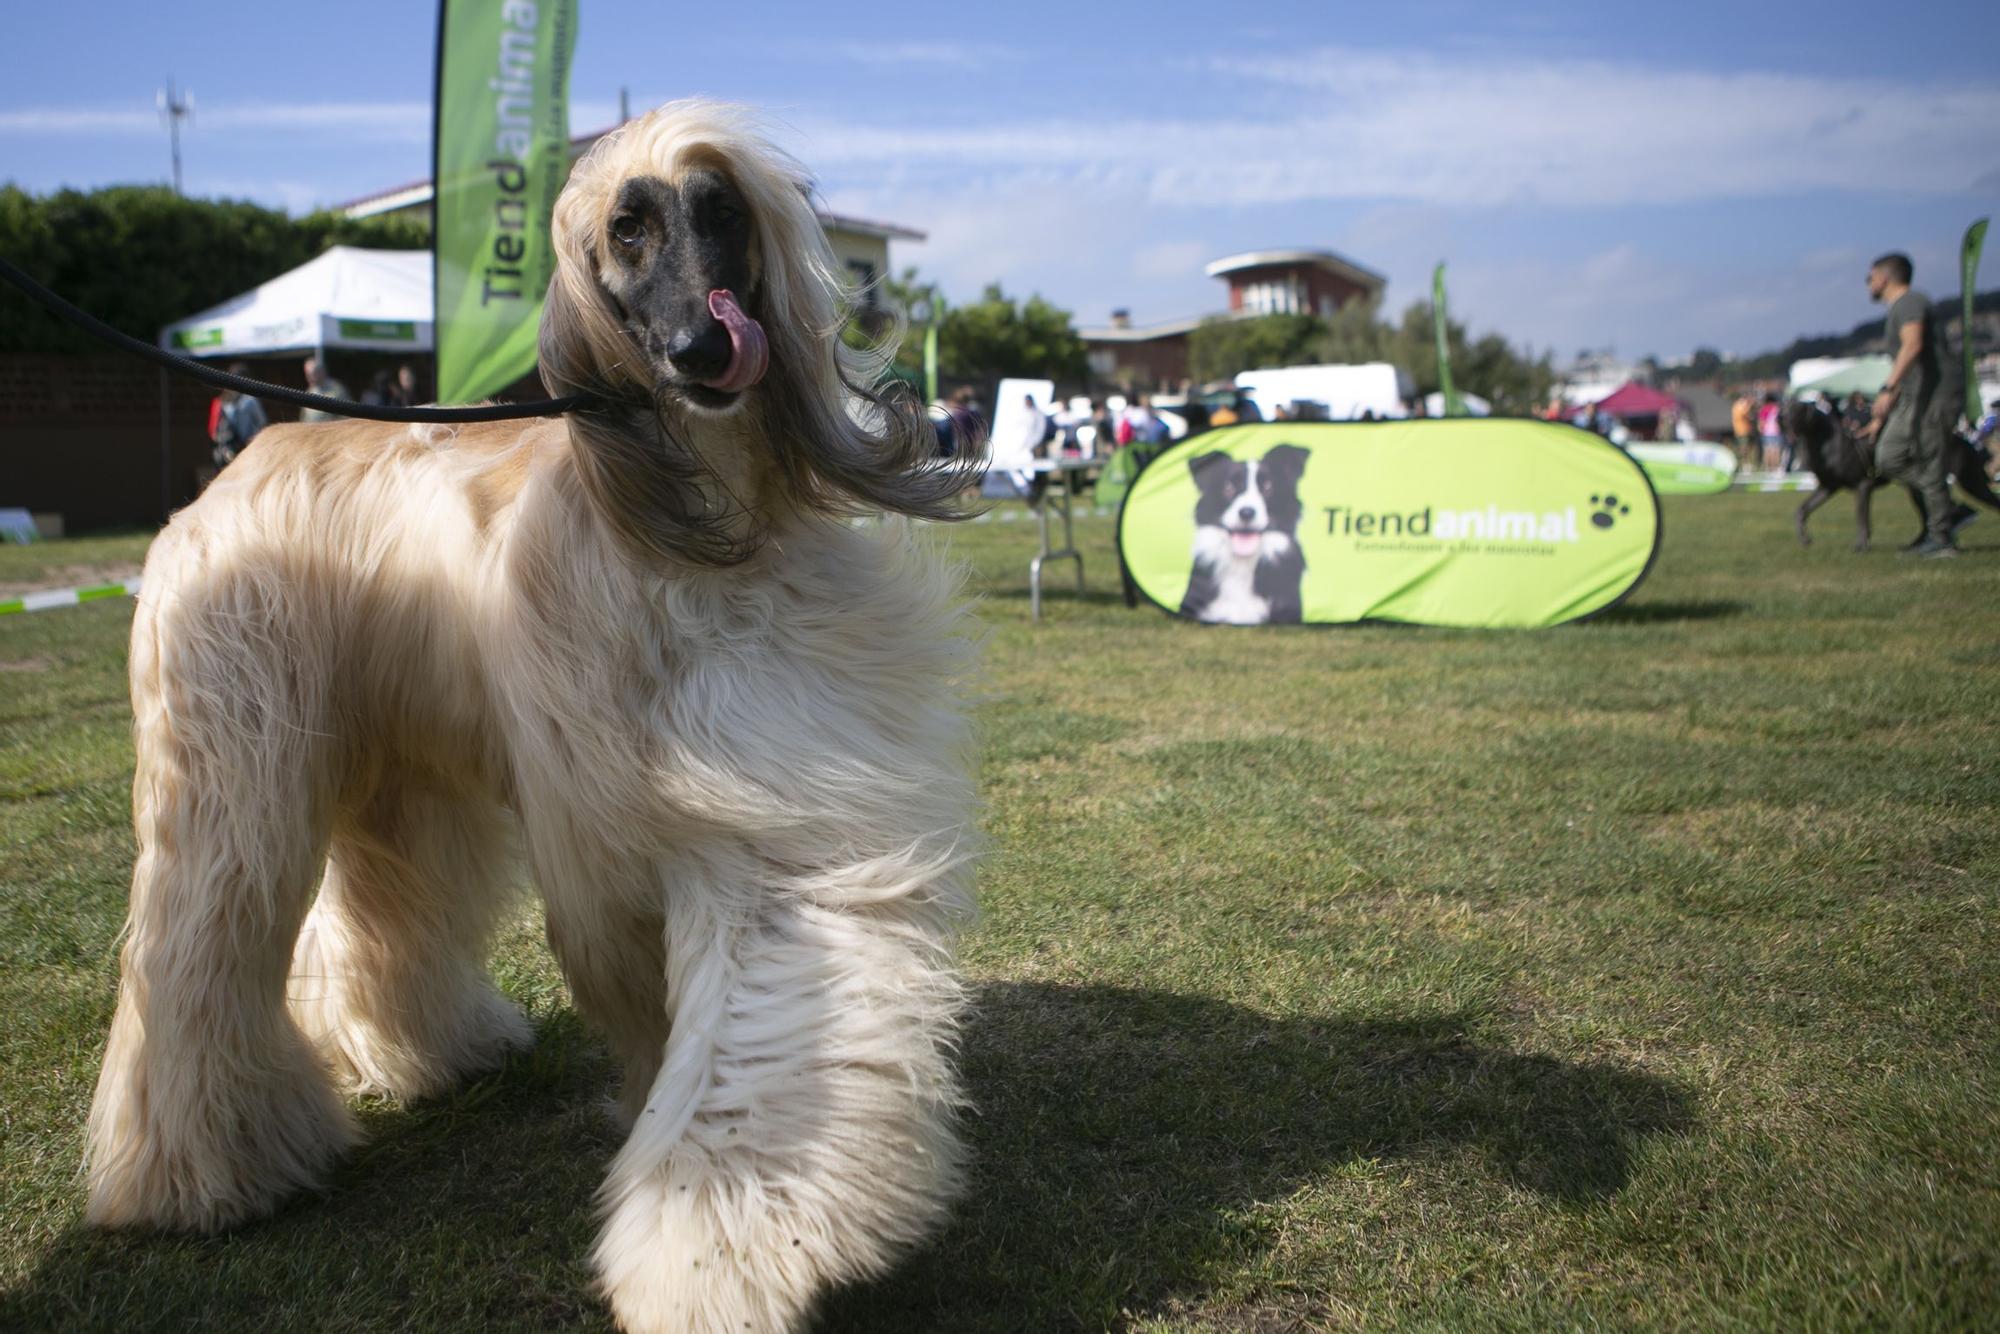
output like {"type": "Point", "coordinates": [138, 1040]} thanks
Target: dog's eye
{"type": "Point", "coordinates": [628, 229]}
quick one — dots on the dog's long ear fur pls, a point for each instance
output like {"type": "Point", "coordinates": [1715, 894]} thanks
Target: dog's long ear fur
{"type": "Point", "coordinates": [839, 438]}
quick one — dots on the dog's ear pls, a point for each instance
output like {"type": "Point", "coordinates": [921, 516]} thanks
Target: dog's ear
{"type": "Point", "coordinates": [1287, 461]}
{"type": "Point", "coordinates": [1207, 467]}
{"type": "Point", "coordinates": [582, 344]}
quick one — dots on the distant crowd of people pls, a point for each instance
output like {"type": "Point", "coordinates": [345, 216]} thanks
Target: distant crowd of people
{"type": "Point", "coordinates": [235, 418]}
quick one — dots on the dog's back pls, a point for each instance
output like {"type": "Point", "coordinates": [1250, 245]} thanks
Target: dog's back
{"type": "Point", "coordinates": [359, 550]}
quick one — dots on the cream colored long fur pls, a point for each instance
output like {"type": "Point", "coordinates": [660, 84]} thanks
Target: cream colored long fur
{"type": "Point", "coordinates": [371, 660]}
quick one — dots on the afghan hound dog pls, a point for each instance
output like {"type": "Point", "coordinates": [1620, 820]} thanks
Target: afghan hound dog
{"type": "Point", "coordinates": [646, 647]}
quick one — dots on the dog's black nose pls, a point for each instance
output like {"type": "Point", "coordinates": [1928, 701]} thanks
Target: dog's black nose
{"type": "Point", "coordinates": [700, 353]}
{"type": "Point", "coordinates": [1246, 513]}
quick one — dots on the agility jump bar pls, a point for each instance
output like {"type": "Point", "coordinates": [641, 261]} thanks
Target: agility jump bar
{"type": "Point", "coordinates": [68, 597]}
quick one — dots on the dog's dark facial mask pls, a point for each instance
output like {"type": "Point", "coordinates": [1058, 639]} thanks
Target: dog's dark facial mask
{"type": "Point", "coordinates": [683, 274]}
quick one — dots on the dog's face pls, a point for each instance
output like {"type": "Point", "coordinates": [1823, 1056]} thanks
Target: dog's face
{"type": "Point", "coordinates": [678, 259]}
{"type": "Point", "coordinates": [1249, 508]}
{"type": "Point", "coordinates": [698, 309]}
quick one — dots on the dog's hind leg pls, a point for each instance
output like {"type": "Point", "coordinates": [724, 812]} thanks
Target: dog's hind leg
{"type": "Point", "coordinates": [212, 1105]}
{"type": "Point", "coordinates": [1811, 503]}
{"type": "Point", "coordinates": [1971, 475]}
{"type": "Point", "coordinates": [389, 976]}
{"type": "Point", "coordinates": [799, 1133]}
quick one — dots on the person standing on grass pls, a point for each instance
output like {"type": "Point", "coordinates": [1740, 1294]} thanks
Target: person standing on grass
{"type": "Point", "coordinates": [1910, 421]}
{"type": "Point", "coordinates": [1769, 425]}
{"type": "Point", "coordinates": [320, 382]}
{"type": "Point", "coordinates": [1743, 420]}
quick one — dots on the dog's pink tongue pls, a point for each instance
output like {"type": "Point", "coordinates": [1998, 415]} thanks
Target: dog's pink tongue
{"type": "Point", "coordinates": [749, 353]}
{"type": "Point", "coordinates": [1245, 544]}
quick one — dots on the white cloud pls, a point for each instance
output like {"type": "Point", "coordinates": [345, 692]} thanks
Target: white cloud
{"type": "Point", "coordinates": [78, 120]}
{"type": "Point", "coordinates": [937, 55]}
{"type": "Point", "coordinates": [375, 122]}
{"type": "Point", "coordinates": [1476, 132]}
{"type": "Point", "coordinates": [1170, 259]}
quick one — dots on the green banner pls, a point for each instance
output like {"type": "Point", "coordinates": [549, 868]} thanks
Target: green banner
{"type": "Point", "coordinates": [1968, 276]}
{"type": "Point", "coordinates": [500, 157]}
{"type": "Point", "coordinates": [1699, 469]}
{"type": "Point", "coordinates": [384, 331]}
{"type": "Point", "coordinates": [1441, 322]}
{"type": "Point", "coordinates": [1482, 522]}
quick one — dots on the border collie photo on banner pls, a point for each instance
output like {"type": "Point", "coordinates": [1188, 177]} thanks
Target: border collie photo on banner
{"type": "Point", "coordinates": [1479, 522]}
{"type": "Point", "coordinates": [1247, 562]}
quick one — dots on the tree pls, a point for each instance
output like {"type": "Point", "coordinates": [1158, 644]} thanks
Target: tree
{"type": "Point", "coordinates": [1221, 346]}
{"type": "Point", "coordinates": [987, 341]}
{"type": "Point", "coordinates": [1488, 367]}
{"type": "Point", "coordinates": [996, 337]}
{"type": "Point", "coordinates": [139, 257]}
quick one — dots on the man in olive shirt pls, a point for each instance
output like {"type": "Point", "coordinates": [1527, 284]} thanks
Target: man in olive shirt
{"type": "Point", "coordinates": [1910, 421]}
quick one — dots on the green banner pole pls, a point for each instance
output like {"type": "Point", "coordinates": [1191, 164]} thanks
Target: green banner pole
{"type": "Point", "coordinates": [1968, 274]}
{"type": "Point", "coordinates": [500, 154]}
{"type": "Point", "coordinates": [930, 361]}
{"type": "Point", "coordinates": [1441, 319]}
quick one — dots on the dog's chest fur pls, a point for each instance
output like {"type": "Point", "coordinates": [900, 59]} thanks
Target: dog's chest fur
{"type": "Point", "coordinates": [809, 694]}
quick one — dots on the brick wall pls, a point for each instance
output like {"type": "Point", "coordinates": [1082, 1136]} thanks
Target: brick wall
{"type": "Point", "coordinates": [80, 437]}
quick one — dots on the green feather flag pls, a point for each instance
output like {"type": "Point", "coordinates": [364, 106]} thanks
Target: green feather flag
{"type": "Point", "coordinates": [1453, 407]}
{"type": "Point", "coordinates": [1968, 273]}
{"type": "Point", "coordinates": [500, 156]}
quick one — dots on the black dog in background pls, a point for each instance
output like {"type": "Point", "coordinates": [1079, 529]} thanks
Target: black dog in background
{"type": "Point", "coordinates": [1247, 563]}
{"type": "Point", "coordinates": [1840, 460]}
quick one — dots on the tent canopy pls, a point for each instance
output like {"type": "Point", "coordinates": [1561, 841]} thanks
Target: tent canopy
{"type": "Point", "coordinates": [1807, 369]}
{"type": "Point", "coordinates": [1474, 405]}
{"type": "Point", "coordinates": [1864, 375]}
{"type": "Point", "coordinates": [1636, 400]}
{"type": "Point", "coordinates": [371, 300]}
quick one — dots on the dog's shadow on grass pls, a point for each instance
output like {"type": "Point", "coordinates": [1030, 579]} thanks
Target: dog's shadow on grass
{"type": "Point", "coordinates": [1121, 1141]}
{"type": "Point", "coordinates": [1122, 1138]}
{"type": "Point", "coordinates": [475, 1210]}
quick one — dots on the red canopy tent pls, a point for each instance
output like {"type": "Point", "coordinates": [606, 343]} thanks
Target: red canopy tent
{"type": "Point", "coordinates": [1631, 400]}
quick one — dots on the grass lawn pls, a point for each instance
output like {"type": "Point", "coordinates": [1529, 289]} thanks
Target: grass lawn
{"type": "Point", "coordinates": [1641, 972]}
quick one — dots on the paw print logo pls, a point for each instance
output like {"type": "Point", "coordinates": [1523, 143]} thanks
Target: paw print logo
{"type": "Point", "coordinates": [1605, 510]}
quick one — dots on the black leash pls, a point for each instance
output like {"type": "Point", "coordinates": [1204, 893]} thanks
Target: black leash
{"type": "Point", "coordinates": [96, 328]}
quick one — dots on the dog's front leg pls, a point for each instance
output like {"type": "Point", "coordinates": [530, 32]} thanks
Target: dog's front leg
{"type": "Point", "coordinates": [798, 1134]}
{"type": "Point", "coordinates": [1864, 497]}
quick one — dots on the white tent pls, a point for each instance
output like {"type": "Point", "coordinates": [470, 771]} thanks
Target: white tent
{"type": "Point", "coordinates": [1474, 405]}
{"type": "Point", "coordinates": [369, 300]}
{"type": "Point", "coordinates": [1807, 369]}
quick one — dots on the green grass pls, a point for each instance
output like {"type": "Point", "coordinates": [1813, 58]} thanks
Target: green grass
{"type": "Point", "coordinates": [1641, 972]}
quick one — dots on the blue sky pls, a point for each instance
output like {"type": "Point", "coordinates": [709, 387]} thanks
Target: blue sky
{"type": "Point", "coordinates": [1650, 180]}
